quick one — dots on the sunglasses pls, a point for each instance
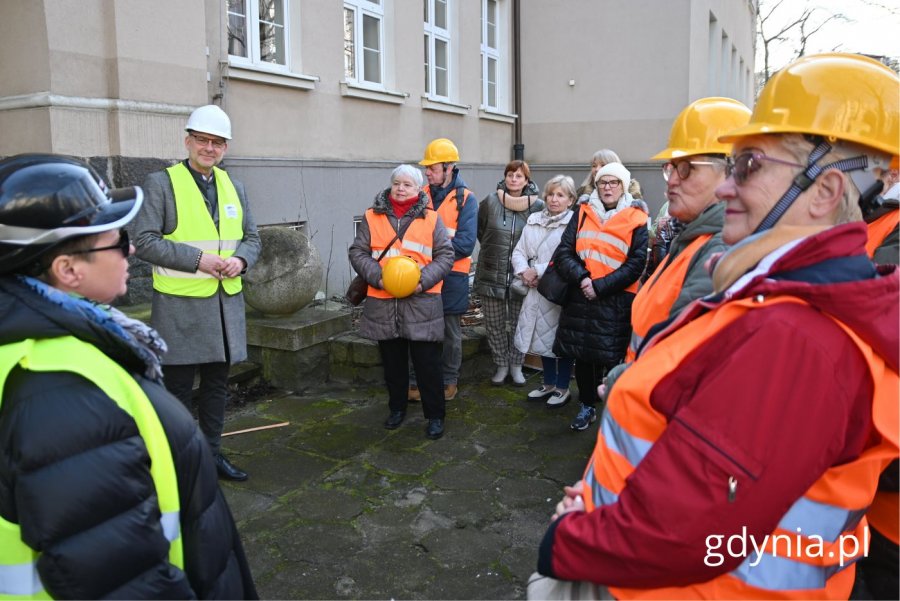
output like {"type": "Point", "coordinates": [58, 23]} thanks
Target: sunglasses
{"type": "Point", "coordinates": [747, 163]}
{"type": "Point", "coordinates": [684, 168]}
{"type": "Point", "coordinates": [123, 246]}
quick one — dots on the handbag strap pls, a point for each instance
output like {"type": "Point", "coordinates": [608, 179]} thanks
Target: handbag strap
{"type": "Point", "coordinates": [399, 235]}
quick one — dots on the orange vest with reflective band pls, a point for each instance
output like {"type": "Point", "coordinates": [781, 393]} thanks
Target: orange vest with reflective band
{"type": "Point", "coordinates": [416, 244]}
{"type": "Point", "coordinates": [879, 230]}
{"type": "Point", "coordinates": [449, 212]}
{"type": "Point", "coordinates": [832, 508]}
{"type": "Point", "coordinates": [604, 246]}
{"type": "Point", "coordinates": [654, 300]}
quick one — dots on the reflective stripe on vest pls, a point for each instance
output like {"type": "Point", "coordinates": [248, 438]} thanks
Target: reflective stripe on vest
{"type": "Point", "coordinates": [831, 508]}
{"type": "Point", "coordinates": [18, 562]}
{"type": "Point", "coordinates": [604, 246]}
{"type": "Point", "coordinates": [449, 212]}
{"type": "Point", "coordinates": [195, 227]}
{"type": "Point", "coordinates": [655, 298]}
{"type": "Point", "coordinates": [416, 243]}
{"type": "Point", "coordinates": [880, 229]}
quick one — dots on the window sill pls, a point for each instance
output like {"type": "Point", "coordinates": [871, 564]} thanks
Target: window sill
{"type": "Point", "coordinates": [275, 78]}
{"type": "Point", "coordinates": [444, 106]}
{"type": "Point", "coordinates": [353, 90]}
{"type": "Point", "coordinates": [492, 115]}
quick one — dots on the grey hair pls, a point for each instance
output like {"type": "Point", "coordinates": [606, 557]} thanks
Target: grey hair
{"type": "Point", "coordinates": [409, 171]}
{"type": "Point", "coordinates": [800, 148]}
{"type": "Point", "coordinates": [565, 183]}
{"type": "Point", "coordinates": [607, 156]}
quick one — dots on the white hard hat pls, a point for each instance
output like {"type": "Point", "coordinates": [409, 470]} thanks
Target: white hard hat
{"type": "Point", "coordinates": [210, 119]}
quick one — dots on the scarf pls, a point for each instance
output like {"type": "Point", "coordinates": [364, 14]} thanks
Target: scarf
{"type": "Point", "coordinates": [143, 340]}
{"type": "Point", "coordinates": [400, 207]}
{"type": "Point", "coordinates": [602, 212]}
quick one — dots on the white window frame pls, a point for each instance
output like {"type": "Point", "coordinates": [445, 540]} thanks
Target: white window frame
{"type": "Point", "coordinates": [375, 10]}
{"type": "Point", "coordinates": [254, 58]}
{"type": "Point", "coordinates": [488, 54]}
{"type": "Point", "coordinates": [433, 36]}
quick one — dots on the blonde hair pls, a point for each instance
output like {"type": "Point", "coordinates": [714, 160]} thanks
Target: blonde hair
{"type": "Point", "coordinates": [564, 182]}
{"type": "Point", "coordinates": [800, 148]}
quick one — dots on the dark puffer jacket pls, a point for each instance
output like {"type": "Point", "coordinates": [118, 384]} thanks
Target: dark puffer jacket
{"type": "Point", "coordinates": [499, 229]}
{"type": "Point", "coordinates": [599, 330]}
{"type": "Point", "coordinates": [74, 475]}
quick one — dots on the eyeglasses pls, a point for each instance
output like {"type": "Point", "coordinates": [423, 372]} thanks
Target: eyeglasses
{"type": "Point", "coordinates": [204, 141]}
{"type": "Point", "coordinates": [123, 246]}
{"type": "Point", "coordinates": [684, 168]}
{"type": "Point", "coordinates": [609, 183]}
{"type": "Point", "coordinates": [747, 163]}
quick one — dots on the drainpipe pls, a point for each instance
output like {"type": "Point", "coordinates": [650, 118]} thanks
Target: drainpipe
{"type": "Point", "coordinates": [518, 146]}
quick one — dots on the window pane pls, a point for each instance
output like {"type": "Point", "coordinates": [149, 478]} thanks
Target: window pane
{"type": "Point", "coordinates": [492, 83]}
{"type": "Point", "coordinates": [237, 28]}
{"type": "Point", "coordinates": [425, 6]}
{"type": "Point", "coordinates": [427, 82]}
{"type": "Point", "coordinates": [440, 13]}
{"type": "Point", "coordinates": [492, 23]}
{"type": "Point", "coordinates": [271, 32]}
{"type": "Point", "coordinates": [371, 49]}
{"type": "Point", "coordinates": [440, 68]}
{"type": "Point", "coordinates": [349, 49]}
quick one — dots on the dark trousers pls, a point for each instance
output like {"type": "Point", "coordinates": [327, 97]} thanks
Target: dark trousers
{"type": "Point", "coordinates": [211, 397]}
{"type": "Point", "coordinates": [588, 376]}
{"type": "Point", "coordinates": [426, 358]}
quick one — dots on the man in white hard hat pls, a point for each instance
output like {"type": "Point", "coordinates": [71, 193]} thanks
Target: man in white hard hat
{"type": "Point", "coordinates": [195, 227]}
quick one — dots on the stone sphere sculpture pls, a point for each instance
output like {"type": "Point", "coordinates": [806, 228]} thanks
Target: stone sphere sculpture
{"type": "Point", "coordinates": [287, 275]}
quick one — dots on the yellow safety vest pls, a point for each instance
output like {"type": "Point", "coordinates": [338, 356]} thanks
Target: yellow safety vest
{"type": "Point", "coordinates": [196, 228]}
{"type": "Point", "coordinates": [18, 562]}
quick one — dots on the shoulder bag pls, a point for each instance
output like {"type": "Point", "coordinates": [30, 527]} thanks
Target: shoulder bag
{"type": "Point", "coordinates": [552, 286]}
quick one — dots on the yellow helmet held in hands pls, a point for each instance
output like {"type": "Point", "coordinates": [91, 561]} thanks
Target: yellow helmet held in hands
{"type": "Point", "coordinates": [440, 150]}
{"type": "Point", "coordinates": [697, 127]}
{"type": "Point", "coordinates": [835, 95]}
{"type": "Point", "coordinates": [400, 276]}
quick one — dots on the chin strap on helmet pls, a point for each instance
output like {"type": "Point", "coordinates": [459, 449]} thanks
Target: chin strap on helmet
{"type": "Point", "coordinates": [804, 180]}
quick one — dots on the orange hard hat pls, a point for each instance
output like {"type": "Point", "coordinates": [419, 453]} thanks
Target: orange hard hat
{"type": "Point", "coordinates": [400, 276]}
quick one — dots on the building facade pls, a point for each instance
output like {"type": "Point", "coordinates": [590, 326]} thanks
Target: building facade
{"type": "Point", "coordinates": [326, 96]}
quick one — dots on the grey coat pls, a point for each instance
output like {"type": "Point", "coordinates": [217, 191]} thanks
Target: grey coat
{"type": "Point", "coordinates": [498, 232]}
{"type": "Point", "coordinates": [416, 317]}
{"type": "Point", "coordinates": [197, 330]}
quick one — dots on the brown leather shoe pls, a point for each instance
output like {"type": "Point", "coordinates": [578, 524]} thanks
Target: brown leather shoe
{"type": "Point", "coordinates": [414, 394]}
{"type": "Point", "coordinates": [450, 391]}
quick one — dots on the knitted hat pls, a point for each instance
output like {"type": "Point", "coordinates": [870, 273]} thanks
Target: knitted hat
{"type": "Point", "coordinates": [616, 170]}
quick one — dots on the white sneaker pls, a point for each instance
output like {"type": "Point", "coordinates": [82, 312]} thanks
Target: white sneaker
{"type": "Point", "coordinates": [500, 375]}
{"type": "Point", "coordinates": [515, 372]}
{"type": "Point", "coordinates": [542, 393]}
{"type": "Point", "coordinates": [559, 398]}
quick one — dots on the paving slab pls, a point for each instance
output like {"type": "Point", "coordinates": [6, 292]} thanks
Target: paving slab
{"type": "Point", "coordinates": [337, 507]}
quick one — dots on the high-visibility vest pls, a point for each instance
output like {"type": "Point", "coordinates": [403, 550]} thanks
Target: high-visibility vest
{"type": "Point", "coordinates": [655, 298]}
{"type": "Point", "coordinates": [196, 228]}
{"type": "Point", "coordinates": [449, 212]}
{"type": "Point", "coordinates": [604, 246]}
{"type": "Point", "coordinates": [416, 244]}
{"type": "Point", "coordinates": [832, 508]}
{"type": "Point", "coordinates": [884, 515]}
{"type": "Point", "coordinates": [18, 562]}
{"type": "Point", "coordinates": [879, 230]}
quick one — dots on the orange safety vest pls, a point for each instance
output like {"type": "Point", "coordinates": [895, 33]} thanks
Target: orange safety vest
{"type": "Point", "coordinates": [655, 298]}
{"type": "Point", "coordinates": [884, 515]}
{"type": "Point", "coordinates": [416, 244]}
{"type": "Point", "coordinates": [449, 212]}
{"type": "Point", "coordinates": [604, 246]}
{"type": "Point", "coordinates": [879, 230]}
{"type": "Point", "coordinates": [829, 512]}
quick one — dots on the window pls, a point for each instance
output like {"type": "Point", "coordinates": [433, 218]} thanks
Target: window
{"type": "Point", "coordinates": [437, 48]}
{"type": "Point", "coordinates": [363, 53]}
{"type": "Point", "coordinates": [490, 55]}
{"type": "Point", "coordinates": [258, 32]}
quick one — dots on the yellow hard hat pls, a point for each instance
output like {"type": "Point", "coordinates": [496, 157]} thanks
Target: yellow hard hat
{"type": "Point", "coordinates": [697, 127]}
{"type": "Point", "coordinates": [839, 96]}
{"type": "Point", "coordinates": [440, 150]}
{"type": "Point", "coordinates": [400, 276]}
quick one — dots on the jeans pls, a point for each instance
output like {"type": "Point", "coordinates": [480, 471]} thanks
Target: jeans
{"type": "Point", "coordinates": [211, 397]}
{"type": "Point", "coordinates": [557, 371]}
